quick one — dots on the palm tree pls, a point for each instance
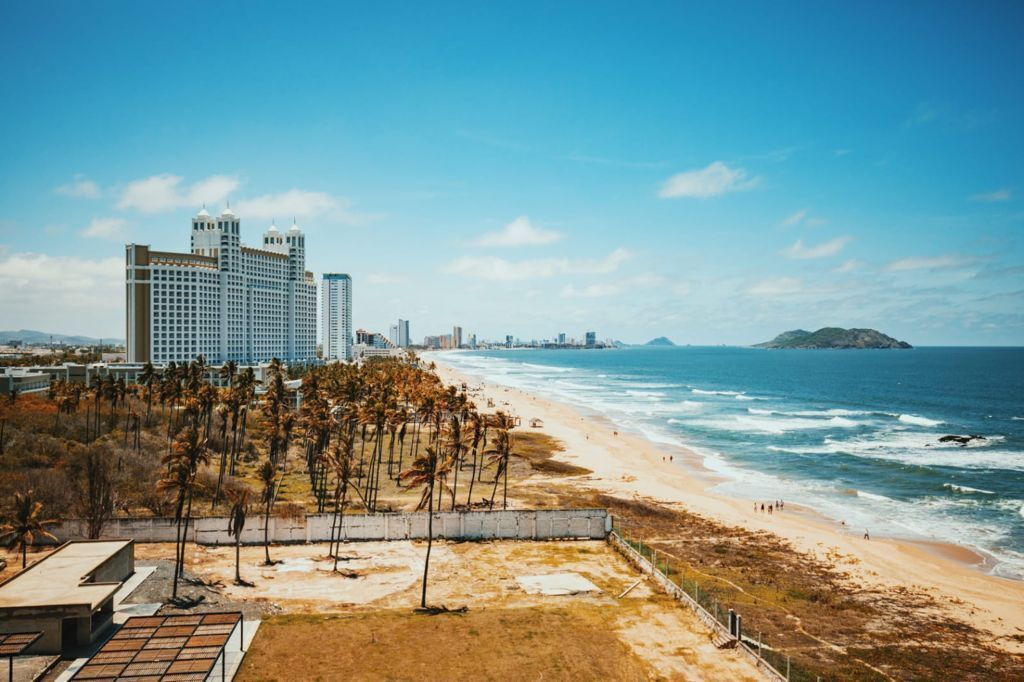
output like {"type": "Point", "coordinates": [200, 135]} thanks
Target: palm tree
{"type": "Point", "coordinates": [228, 371]}
{"type": "Point", "coordinates": [425, 471]}
{"type": "Point", "coordinates": [498, 454]}
{"type": "Point", "coordinates": [239, 498]}
{"type": "Point", "coordinates": [148, 378]}
{"type": "Point", "coordinates": [340, 460]}
{"type": "Point", "coordinates": [267, 474]}
{"type": "Point", "coordinates": [188, 453]}
{"type": "Point", "coordinates": [24, 523]}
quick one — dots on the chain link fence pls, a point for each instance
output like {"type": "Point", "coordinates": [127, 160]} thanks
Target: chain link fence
{"type": "Point", "coordinates": [709, 595]}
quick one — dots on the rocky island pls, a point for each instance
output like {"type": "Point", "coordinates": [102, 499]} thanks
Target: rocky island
{"type": "Point", "coordinates": [660, 341]}
{"type": "Point", "coordinates": [834, 337]}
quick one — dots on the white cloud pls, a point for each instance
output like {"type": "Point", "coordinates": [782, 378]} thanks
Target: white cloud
{"type": "Point", "coordinates": [778, 286]}
{"type": "Point", "coordinates": [300, 203]}
{"type": "Point", "coordinates": [928, 263]}
{"type": "Point", "coordinates": [494, 268]}
{"type": "Point", "coordinates": [82, 296]}
{"type": "Point", "coordinates": [519, 232]}
{"type": "Point", "coordinates": [795, 218]}
{"type": "Point", "coordinates": [384, 278]}
{"type": "Point", "coordinates": [81, 187]}
{"type": "Point", "coordinates": [1004, 194]}
{"type": "Point", "coordinates": [849, 266]}
{"type": "Point", "coordinates": [165, 192]}
{"type": "Point", "coordinates": [589, 291]}
{"type": "Point", "coordinates": [823, 250]}
{"type": "Point", "coordinates": [105, 228]}
{"type": "Point", "coordinates": [682, 289]}
{"type": "Point", "coordinates": [714, 180]}
{"type": "Point", "coordinates": [843, 152]}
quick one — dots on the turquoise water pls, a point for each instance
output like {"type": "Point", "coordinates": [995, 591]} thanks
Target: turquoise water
{"type": "Point", "coordinates": [853, 434]}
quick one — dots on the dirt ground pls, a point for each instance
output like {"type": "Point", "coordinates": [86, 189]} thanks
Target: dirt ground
{"type": "Point", "coordinates": [328, 618]}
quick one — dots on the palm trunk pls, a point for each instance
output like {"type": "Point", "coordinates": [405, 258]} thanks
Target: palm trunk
{"type": "Point", "coordinates": [430, 542]}
{"type": "Point", "coordinates": [504, 495]}
{"type": "Point", "coordinates": [472, 477]}
{"type": "Point", "coordinates": [266, 533]}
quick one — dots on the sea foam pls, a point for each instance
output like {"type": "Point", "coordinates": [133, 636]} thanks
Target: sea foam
{"type": "Point", "coordinates": [918, 421]}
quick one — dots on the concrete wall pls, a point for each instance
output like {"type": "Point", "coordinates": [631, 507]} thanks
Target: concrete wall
{"type": "Point", "coordinates": [538, 524]}
{"type": "Point", "coordinates": [117, 568]}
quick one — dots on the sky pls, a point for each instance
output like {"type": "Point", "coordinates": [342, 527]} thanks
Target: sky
{"type": "Point", "coordinates": [711, 172]}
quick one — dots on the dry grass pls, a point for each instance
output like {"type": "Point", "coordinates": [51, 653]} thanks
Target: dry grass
{"type": "Point", "coordinates": [831, 625]}
{"type": "Point", "coordinates": [478, 645]}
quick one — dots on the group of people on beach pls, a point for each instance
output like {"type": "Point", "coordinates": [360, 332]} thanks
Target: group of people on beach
{"type": "Point", "coordinates": [778, 505]}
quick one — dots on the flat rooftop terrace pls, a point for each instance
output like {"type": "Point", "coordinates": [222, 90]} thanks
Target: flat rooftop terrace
{"type": "Point", "coordinates": [60, 578]}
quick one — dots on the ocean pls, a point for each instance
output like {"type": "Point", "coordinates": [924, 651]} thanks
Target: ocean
{"type": "Point", "coordinates": [854, 434]}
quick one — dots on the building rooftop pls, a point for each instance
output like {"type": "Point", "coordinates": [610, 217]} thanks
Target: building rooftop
{"type": "Point", "coordinates": [61, 578]}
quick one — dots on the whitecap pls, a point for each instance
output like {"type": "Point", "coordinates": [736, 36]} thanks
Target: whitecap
{"type": "Point", "coordinates": [700, 391]}
{"type": "Point", "coordinates": [966, 489]}
{"type": "Point", "coordinates": [918, 421]}
{"type": "Point", "coordinates": [874, 496]}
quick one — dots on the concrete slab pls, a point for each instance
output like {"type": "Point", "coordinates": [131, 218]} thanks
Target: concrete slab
{"type": "Point", "coordinates": [130, 585]}
{"type": "Point", "coordinates": [556, 584]}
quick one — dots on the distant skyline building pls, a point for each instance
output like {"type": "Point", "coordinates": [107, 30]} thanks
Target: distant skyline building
{"type": "Point", "coordinates": [591, 339]}
{"type": "Point", "coordinates": [561, 338]}
{"type": "Point", "coordinates": [222, 300]}
{"type": "Point", "coordinates": [336, 316]}
{"type": "Point", "coordinates": [456, 337]}
{"type": "Point", "coordinates": [399, 334]}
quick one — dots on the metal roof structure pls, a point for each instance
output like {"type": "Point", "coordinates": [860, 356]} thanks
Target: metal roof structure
{"type": "Point", "coordinates": [171, 648]}
{"type": "Point", "coordinates": [14, 643]}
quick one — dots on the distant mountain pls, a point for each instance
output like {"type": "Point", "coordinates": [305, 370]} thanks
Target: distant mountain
{"type": "Point", "coordinates": [31, 337]}
{"type": "Point", "coordinates": [660, 341]}
{"type": "Point", "coordinates": [834, 337]}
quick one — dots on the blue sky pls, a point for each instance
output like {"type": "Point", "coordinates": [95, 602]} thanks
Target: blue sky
{"type": "Point", "coordinates": [717, 173]}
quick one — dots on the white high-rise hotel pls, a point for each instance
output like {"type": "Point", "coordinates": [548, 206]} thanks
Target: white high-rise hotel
{"type": "Point", "coordinates": [336, 316]}
{"type": "Point", "coordinates": [224, 300]}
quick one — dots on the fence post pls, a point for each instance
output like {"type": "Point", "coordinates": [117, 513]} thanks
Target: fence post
{"type": "Point", "coordinates": [787, 666]}
{"type": "Point", "coordinates": [759, 645]}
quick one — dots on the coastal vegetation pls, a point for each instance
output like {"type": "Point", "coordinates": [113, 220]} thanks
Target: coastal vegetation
{"type": "Point", "coordinates": [833, 337]}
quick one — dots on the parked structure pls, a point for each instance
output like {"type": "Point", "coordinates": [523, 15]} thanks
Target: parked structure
{"type": "Point", "coordinates": [68, 595]}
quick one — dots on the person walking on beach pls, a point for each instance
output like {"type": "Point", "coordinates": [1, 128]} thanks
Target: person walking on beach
{"type": "Point", "coordinates": [769, 510]}
{"type": "Point", "coordinates": [867, 536]}
{"type": "Point", "coordinates": [762, 506]}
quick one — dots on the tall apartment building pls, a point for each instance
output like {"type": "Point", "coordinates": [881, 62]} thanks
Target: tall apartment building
{"type": "Point", "coordinates": [336, 311]}
{"type": "Point", "coordinates": [456, 337]}
{"type": "Point", "coordinates": [223, 300]}
{"type": "Point", "coordinates": [399, 334]}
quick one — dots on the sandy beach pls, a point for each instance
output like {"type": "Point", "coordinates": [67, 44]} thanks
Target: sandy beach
{"type": "Point", "coordinates": [629, 465]}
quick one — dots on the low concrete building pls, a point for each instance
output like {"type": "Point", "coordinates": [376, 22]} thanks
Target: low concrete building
{"type": "Point", "coordinates": [68, 595]}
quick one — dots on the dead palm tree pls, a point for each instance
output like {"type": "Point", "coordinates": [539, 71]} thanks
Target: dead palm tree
{"type": "Point", "coordinates": [25, 523]}
{"type": "Point", "coordinates": [239, 498]}
{"type": "Point", "coordinates": [188, 453]}
{"type": "Point", "coordinates": [267, 475]}
{"type": "Point", "coordinates": [425, 472]}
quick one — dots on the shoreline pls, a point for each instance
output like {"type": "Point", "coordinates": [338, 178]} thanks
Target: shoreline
{"type": "Point", "coordinates": [630, 465]}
